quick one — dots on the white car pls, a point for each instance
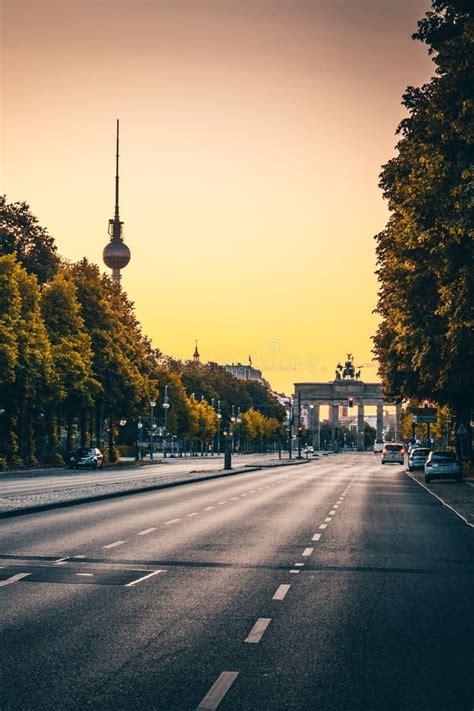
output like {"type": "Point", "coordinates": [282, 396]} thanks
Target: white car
{"type": "Point", "coordinates": [393, 452]}
{"type": "Point", "coordinates": [378, 446]}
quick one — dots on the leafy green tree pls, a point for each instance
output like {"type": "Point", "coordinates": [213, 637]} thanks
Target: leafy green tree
{"type": "Point", "coordinates": [25, 384]}
{"type": "Point", "coordinates": [22, 235]}
{"type": "Point", "coordinates": [425, 341]}
{"type": "Point", "coordinates": [73, 383]}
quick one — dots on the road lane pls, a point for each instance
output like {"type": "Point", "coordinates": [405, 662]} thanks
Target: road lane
{"type": "Point", "coordinates": [388, 554]}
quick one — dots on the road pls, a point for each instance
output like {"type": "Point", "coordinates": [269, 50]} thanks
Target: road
{"type": "Point", "coordinates": [339, 584]}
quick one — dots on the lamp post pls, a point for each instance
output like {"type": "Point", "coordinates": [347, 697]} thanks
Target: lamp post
{"type": "Point", "coordinates": [139, 438]}
{"type": "Point", "coordinates": [239, 422]}
{"type": "Point", "coordinates": [233, 420]}
{"type": "Point", "coordinates": [219, 418]}
{"type": "Point", "coordinates": [166, 406]}
{"type": "Point", "coordinates": [152, 427]}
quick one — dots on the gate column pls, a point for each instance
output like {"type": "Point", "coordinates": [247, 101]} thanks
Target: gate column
{"type": "Point", "coordinates": [380, 420]}
{"type": "Point", "coordinates": [360, 428]}
{"type": "Point", "coordinates": [334, 426]}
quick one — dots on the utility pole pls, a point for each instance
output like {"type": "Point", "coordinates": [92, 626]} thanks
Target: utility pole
{"type": "Point", "coordinates": [290, 433]}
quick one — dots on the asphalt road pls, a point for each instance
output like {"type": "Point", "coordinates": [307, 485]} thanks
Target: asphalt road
{"type": "Point", "coordinates": [340, 584]}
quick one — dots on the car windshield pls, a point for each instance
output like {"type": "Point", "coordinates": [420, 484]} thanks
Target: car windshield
{"type": "Point", "coordinates": [394, 447]}
{"type": "Point", "coordinates": [420, 452]}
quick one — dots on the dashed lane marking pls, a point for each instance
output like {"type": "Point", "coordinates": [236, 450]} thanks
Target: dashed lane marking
{"type": "Point", "coordinates": [13, 579]}
{"type": "Point", "coordinates": [299, 565]}
{"type": "Point", "coordinates": [144, 577]}
{"type": "Point", "coordinates": [307, 552]}
{"type": "Point", "coordinates": [281, 591]}
{"type": "Point", "coordinates": [85, 575]}
{"type": "Point", "coordinates": [294, 572]}
{"type": "Point", "coordinates": [316, 537]}
{"type": "Point", "coordinates": [327, 519]}
{"type": "Point", "coordinates": [114, 544]}
{"type": "Point", "coordinates": [332, 512]}
{"type": "Point", "coordinates": [146, 531]}
{"type": "Point", "coordinates": [172, 520]}
{"type": "Point", "coordinates": [217, 691]}
{"type": "Point", "coordinates": [323, 526]}
{"type": "Point", "coordinates": [258, 630]}
{"type": "Point", "coordinates": [222, 502]}
{"type": "Point", "coordinates": [194, 513]}
{"type": "Point", "coordinates": [208, 508]}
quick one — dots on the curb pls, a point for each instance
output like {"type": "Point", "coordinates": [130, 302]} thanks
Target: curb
{"type": "Point", "coordinates": [442, 501]}
{"type": "Point", "coordinates": [129, 492]}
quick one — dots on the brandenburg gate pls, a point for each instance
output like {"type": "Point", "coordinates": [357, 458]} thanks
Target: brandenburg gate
{"type": "Point", "coordinates": [347, 387]}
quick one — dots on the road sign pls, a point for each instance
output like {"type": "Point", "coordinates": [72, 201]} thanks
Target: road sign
{"type": "Point", "coordinates": [425, 414]}
{"type": "Point", "coordinates": [461, 430]}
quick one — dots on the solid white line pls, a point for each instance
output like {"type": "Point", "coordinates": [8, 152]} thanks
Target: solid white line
{"type": "Point", "coordinates": [307, 552]}
{"type": "Point", "coordinates": [441, 500]}
{"type": "Point", "coordinates": [316, 537]}
{"type": "Point", "coordinates": [139, 580]}
{"type": "Point", "coordinates": [112, 545]}
{"type": "Point", "coordinates": [328, 518]}
{"type": "Point", "coordinates": [172, 520]}
{"type": "Point", "coordinates": [323, 526]}
{"type": "Point", "coordinates": [217, 691]}
{"type": "Point", "coordinates": [195, 513]}
{"type": "Point", "coordinates": [147, 530]}
{"type": "Point", "coordinates": [258, 630]}
{"type": "Point", "coordinates": [281, 592]}
{"type": "Point", "coordinates": [13, 579]}
{"type": "Point", "coordinates": [208, 508]}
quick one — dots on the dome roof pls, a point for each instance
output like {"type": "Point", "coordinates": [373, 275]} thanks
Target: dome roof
{"type": "Point", "coordinates": [116, 255]}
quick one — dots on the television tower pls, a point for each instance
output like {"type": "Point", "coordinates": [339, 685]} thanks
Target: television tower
{"type": "Point", "coordinates": [116, 254]}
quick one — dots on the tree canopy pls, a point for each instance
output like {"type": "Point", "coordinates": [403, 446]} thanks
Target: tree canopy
{"type": "Point", "coordinates": [425, 340]}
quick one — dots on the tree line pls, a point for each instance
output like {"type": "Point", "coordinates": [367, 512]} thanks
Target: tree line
{"type": "Point", "coordinates": [74, 362]}
{"type": "Point", "coordinates": [425, 340]}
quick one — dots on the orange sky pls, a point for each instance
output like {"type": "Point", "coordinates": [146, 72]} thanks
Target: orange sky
{"type": "Point", "coordinates": [253, 132]}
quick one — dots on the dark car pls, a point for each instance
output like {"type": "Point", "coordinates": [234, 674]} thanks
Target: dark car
{"type": "Point", "coordinates": [88, 457]}
{"type": "Point", "coordinates": [443, 465]}
{"type": "Point", "coordinates": [417, 458]}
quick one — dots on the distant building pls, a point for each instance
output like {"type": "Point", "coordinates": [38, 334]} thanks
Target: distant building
{"type": "Point", "coordinates": [245, 372]}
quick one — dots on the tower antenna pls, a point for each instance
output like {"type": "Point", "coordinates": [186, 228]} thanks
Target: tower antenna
{"type": "Point", "coordinates": [116, 216]}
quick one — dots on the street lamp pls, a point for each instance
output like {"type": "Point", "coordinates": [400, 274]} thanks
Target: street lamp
{"type": "Point", "coordinates": [219, 418]}
{"type": "Point", "coordinates": [152, 427]}
{"type": "Point", "coordinates": [166, 406]}
{"type": "Point", "coordinates": [239, 422]}
{"type": "Point", "coordinates": [139, 437]}
{"type": "Point", "coordinates": [233, 421]}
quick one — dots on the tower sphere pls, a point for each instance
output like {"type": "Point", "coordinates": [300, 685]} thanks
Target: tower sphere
{"type": "Point", "coordinates": [116, 255]}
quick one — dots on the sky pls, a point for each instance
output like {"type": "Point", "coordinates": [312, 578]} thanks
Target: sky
{"type": "Point", "coordinates": [252, 136]}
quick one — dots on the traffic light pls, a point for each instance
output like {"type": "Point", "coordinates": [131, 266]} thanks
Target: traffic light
{"type": "Point", "coordinates": [300, 431]}
{"type": "Point", "coordinates": [350, 402]}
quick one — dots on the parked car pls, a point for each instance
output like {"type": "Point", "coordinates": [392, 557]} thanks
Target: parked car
{"type": "Point", "coordinates": [378, 446]}
{"type": "Point", "coordinates": [393, 452]}
{"type": "Point", "coordinates": [417, 457]}
{"type": "Point", "coordinates": [88, 457]}
{"type": "Point", "coordinates": [443, 465]}
{"type": "Point", "coordinates": [309, 449]}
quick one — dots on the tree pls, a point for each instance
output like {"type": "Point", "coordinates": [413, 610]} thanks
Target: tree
{"type": "Point", "coordinates": [425, 340]}
{"type": "Point", "coordinates": [73, 383]}
{"type": "Point", "coordinates": [22, 235]}
{"type": "Point", "coordinates": [26, 381]}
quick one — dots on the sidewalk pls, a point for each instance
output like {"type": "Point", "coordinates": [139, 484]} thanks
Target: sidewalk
{"type": "Point", "coordinates": [19, 504]}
